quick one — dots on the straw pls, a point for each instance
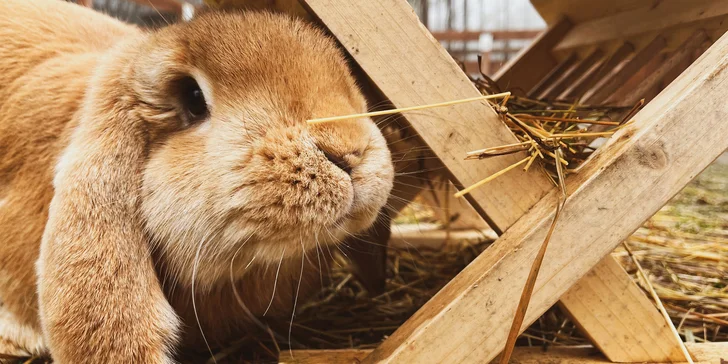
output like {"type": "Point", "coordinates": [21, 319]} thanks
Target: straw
{"type": "Point", "coordinates": [405, 109]}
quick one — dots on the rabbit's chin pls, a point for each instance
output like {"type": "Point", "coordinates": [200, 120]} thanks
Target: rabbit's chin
{"type": "Point", "coordinates": [218, 258]}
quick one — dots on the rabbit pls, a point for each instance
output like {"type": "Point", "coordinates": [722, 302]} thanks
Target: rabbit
{"type": "Point", "coordinates": [160, 188]}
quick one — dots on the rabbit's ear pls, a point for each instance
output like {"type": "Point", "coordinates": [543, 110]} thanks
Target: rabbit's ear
{"type": "Point", "coordinates": [100, 298]}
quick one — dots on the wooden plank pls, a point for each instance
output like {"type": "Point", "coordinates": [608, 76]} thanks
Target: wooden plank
{"type": "Point", "coordinates": [571, 75]}
{"type": "Point", "coordinates": [433, 237]}
{"type": "Point", "coordinates": [473, 35]}
{"type": "Point", "coordinates": [651, 336]}
{"type": "Point", "coordinates": [684, 52]}
{"type": "Point", "coordinates": [344, 356]}
{"type": "Point", "coordinates": [427, 74]}
{"type": "Point", "coordinates": [594, 74]}
{"type": "Point", "coordinates": [607, 87]}
{"type": "Point", "coordinates": [650, 161]}
{"type": "Point", "coordinates": [651, 17]}
{"type": "Point", "coordinates": [533, 62]}
{"type": "Point", "coordinates": [553, 75]}
{"type": "Point", "coordinates": [703, 353]}
{"type": "Point", "coordinates": [577, 12]}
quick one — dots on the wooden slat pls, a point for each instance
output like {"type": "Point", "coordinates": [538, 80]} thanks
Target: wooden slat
{"type": "Point", "coordinates": [568, 78]}
{"type": "Point", "coordinates": [703, 353]}
{"type": "Point", "coordinates": [345, 356]}
{"type": "Point", "coordinates": [578, 12]}
{"type": "Point", "coordinates": [594, 74]}
{"type": "Point", "coordinates": [423, 73]}
{"type": "Point", "coordinates": [473, 35]}
{"type": "Point", "coordinates": [607, 87]}
{"type": "Point", "coordinates": [650, 161]}
{"type": "Point", "coordinates": [651, 336]}
{"type": "Point", "coordinates": [553, 75]}
{"type": "Point", "coordinates": [533, 62]}
{"type": "Point", "coordinates": [684, 52]}
{"type": "Point", "coordinates": [651, 17]}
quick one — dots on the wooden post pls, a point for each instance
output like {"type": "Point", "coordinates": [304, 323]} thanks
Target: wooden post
{"type": "Point", "coordinates": [650, 161]}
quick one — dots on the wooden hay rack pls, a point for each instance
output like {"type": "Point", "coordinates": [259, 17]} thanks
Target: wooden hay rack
{"type": "Point", "coordinates": [600, 52]}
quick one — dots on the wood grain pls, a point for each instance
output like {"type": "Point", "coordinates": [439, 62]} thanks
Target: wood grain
{"type": "Point", "coordinates": [650, 337]}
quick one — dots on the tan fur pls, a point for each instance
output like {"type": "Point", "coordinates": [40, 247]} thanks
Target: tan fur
{"type": "Point", "coordinates": [126, 209]}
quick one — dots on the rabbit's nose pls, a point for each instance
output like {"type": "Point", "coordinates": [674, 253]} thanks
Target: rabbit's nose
{"type": "Point", "coordinates": [338, 161]}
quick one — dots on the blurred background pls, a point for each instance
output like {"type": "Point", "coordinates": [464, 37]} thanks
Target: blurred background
{"type": "Point", "coordinates": [495, 29]}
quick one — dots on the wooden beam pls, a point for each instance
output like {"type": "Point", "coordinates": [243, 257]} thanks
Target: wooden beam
{"type": "Point", "coordinates": [651, 17]}
{"type": "Point", "coordinates": [533, 62]}
{"type": "Point", "coordinates": [703, 353]}
{"type": "Point", "coordinates": [651, 337]}
{"type": "Point", "coordinates": [684, 52]}
{"type": "Point", "coordinates": [424, 73]}
{"type": "Point", "coordinates": [607, 87]}
{"type": "Point", "coordinates": [650, 161]}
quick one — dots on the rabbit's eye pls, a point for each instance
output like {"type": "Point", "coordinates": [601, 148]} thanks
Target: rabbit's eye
{"type": "Point", "coordinates": [193, 100]}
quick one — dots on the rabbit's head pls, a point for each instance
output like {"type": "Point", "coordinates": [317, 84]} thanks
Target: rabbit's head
{"type": "Point", "coordinates": [230, 167]}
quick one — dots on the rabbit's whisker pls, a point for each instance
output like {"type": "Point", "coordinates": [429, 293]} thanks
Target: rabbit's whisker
{"type": "Point", "coordinates": [275, 283]}
{"type": "Point", "coordinates": [295, 300]}
{"type": "Point", "coordinates": [195, 266]}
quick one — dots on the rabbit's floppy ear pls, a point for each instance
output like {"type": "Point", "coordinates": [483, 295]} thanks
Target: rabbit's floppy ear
{"type": "Point", "coordinates": [100, 298]}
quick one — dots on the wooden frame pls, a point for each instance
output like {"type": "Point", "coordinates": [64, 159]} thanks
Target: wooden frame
{"type": "Point", "coordinates": [475, 309]}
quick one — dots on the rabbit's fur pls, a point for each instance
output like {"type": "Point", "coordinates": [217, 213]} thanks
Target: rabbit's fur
{"type": "Point", "coordinates": [115, 205]}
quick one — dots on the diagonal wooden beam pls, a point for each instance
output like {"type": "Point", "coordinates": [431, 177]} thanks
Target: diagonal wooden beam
{"type": "Point", "coordinates": [622, 185]}
{"type": "Point", "coordinates": [426, 74]}
{"type": "Point", "coordinates": [618, 317]}
{"type": "Point", "coordinates": [703, 353]}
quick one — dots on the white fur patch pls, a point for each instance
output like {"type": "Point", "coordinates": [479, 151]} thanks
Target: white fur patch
{"type": "Point", "coordinates": [25, 337]}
